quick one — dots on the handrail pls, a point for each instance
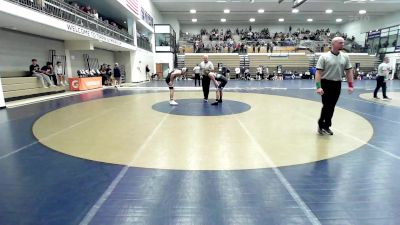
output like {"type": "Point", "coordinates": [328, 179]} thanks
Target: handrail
{"type": "Point", "coordinates": [144, 44]}
{"type": "Point", "coordinates": [71, 14]}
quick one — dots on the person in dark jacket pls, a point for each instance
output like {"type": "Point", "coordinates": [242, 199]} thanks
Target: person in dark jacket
{"type": "Point", "coordinates": [117, 75]}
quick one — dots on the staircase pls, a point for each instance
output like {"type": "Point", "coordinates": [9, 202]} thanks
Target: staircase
{"type": "Point", "coordinates": [181, 61]}
{"type": "Point", "coordinates": [244, 61]}
{"type": "Point", "coordinates": [312, 59]}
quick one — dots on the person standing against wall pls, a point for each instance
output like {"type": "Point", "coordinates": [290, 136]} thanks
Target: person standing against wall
{"type": "Point", "coordinates": [328, 80]}
{"type": "Point", "coordinates": [147, 72]}
{"type": "Point", "coordinates": [206, 67]}
{"type": "Point", "coordinates": [117, 75]}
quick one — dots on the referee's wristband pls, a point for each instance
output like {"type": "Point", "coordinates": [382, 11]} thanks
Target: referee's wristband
{"type": "Point", "coordinates": [350, 84]}
{"type": "Point", "coordinates": [318, 85]}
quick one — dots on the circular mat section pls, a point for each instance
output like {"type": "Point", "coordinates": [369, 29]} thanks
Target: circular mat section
{"type": "Point", "coordinates": [126, 130]}
{"type": "Point", "coordinates": [395, 98]}
{"type": "Point", "coordinates": [197, 107]}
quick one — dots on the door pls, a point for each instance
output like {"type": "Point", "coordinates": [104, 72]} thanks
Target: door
{"type": "Point", "coordinates": [159, 70]}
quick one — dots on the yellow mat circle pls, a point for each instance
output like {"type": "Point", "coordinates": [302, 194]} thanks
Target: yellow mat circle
{"type": "Point", "coordinates": [276, 131]}
{"type": "Point", "coordinates": [395, 98]}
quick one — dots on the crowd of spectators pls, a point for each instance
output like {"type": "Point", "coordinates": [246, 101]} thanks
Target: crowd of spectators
{"type": "Point", "coordinates": [76, 14]}
{"type": "Point", "coordinates": [95, 15]}
{"type": "Point", "coordinates": [217, 39]}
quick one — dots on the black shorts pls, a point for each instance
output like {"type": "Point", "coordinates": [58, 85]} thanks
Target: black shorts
{"type": "Point", "coordinates": [168, 78]}
{"type": "Point", "coordinates": [223, 81]}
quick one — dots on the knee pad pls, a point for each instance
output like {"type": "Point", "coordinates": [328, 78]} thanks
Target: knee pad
{"type": "Point", "coordinates": [170, 88]}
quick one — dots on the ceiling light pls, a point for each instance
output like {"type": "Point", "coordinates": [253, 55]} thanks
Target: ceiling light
{"type": "Point", "coordinates": [193, 11]}
{"type": "Point", "coordinates": [260, 11]}
{"type": "Point", "coordinates": [223, 20]}
{"type": "Point", "coordinates": [252, 19]}
{"type": "Point", "coordinates": [309, 20]}
{"type": "Point", "coordinates": [281, 19]}
{"type": "Point", "coordinates": [295, 10]}
{"type": "Point", "coordinates": [339, 20]}
{"type": "Point", "coordinates": [194, 20]}
{"type": "Point", "coordinates": [362, 11]}
{"type": "Point", "coordinates": [328, 11]}
{"type": "Point", "coordinates": [227, 11]}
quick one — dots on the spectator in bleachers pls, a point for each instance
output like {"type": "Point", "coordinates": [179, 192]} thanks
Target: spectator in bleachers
{"type": "Point", "coordinates": [35, 71]}
{"type": "Point", "coordinates": [95, 14]}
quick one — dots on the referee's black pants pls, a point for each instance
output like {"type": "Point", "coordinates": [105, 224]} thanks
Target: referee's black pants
{"type": "Point", "coordinates": [380, 82]}
{"type": "Point", "coordinates": [206, 86]}
{"type": "Point", "coordinates": [196, 78]}
{"type": "Point", "coordinates": [329, 100]}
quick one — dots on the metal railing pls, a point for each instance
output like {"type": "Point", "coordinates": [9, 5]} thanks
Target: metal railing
{"type": "Point", "coordinates": [71, 14]}
{"type": "Point", "coordinates": [144, 44]}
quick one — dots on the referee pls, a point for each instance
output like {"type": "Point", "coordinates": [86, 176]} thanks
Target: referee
{"type": "Point", "coordinates": [383, 75]}
{"type": "Point", "coordinates": [206, 67]}
{"type": "Point", "coordinates": [328, 80]}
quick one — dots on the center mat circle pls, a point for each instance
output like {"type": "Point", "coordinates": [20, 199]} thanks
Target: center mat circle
{"type": "Point", "coordinates": [197, 107]}
{"type": "Point", "coordinates": [125, 130]}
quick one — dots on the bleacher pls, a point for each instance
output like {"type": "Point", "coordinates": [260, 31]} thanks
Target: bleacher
{"type": "Point", "coordinates": [230, 60]}
{"type": "Point", "coordinates": [367, 62]}
{"type": "Point", "coordinates": [294, 62]}
{"type": "Point", "coordinates": [299, 62]}
{"type": "Point", "coordinates": [17, 85]}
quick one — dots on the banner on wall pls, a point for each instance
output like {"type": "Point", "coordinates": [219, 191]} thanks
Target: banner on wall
{"type": "Point", "coordinates": [92, 34]}
{"type": "Point", "coordinates": [2, 103]}
{"type": "Point", "coordinates": [374, 34]}
{"type": "Point", "coordinates": [133, 5]}
{"type": "Point", "coordinates": [145, 16]}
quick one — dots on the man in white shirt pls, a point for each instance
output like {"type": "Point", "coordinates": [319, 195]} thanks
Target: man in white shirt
{"type": "Point", "coordinates": [259, 72]}
{"type": "Point", "coordinates": [196, 71]}
{"type": "Point", "coordinates": [382, 77]}
{"type": "Point", "coordinates": [206, 67]}
{"type": "Point", "coordinates": [237, 71]}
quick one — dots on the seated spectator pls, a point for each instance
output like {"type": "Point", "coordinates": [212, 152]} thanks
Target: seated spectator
{"type": "Point", "coordinates": [49, 71]}
{"type": "Point", "coordinates": [35, 71]}
{"type": "Point", "coordinates": [109, 74]}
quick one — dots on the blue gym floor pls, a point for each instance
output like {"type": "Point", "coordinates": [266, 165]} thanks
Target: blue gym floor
{"type": "Point", "coordinates": [39, 186]}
